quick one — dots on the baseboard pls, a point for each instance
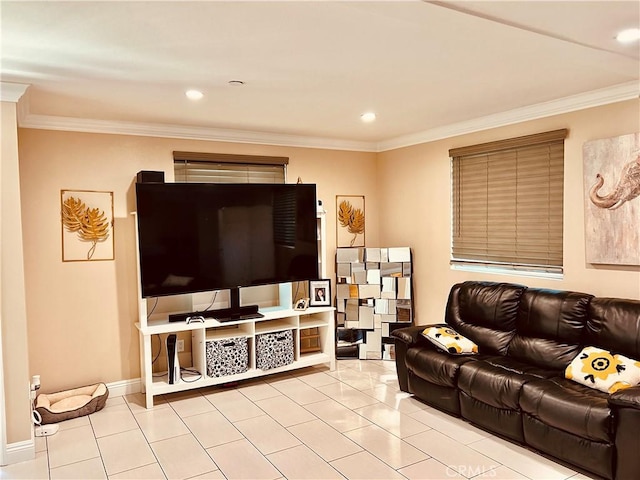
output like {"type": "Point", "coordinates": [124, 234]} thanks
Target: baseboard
{"type": "Point", "coordinates": [20, 451]}
{"type": "Point", "coordinates": [124, 387]}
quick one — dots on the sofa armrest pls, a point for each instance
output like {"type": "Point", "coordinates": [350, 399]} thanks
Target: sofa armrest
{"type": "Point", "coordinates": [409, 335]}
{"type": "Point", "coordinates": [627, 397]}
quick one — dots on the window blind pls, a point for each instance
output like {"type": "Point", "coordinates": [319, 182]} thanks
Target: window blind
{"type": "Point", "coordinates": [508, 203]}
{"type": "Point", "coordinates": [196, 167]}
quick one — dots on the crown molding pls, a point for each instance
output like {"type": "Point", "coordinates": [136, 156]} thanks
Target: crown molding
{"type": "Point", "coordinates": [11, 92]}
{"type": "Point", "coordinates": [595, 98]}
{"type": "Point", "coordinates": [604, 96]}
{"type": "Point", "coordinates": [49, 122]}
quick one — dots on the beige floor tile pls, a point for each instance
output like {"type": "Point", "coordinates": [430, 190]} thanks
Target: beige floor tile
{"type": "Point", "coordinates": [387, 447]}
{"type": "Point", "coordinates": [137, 403]}
{"type": "Point", "coordinates": [161, 424]}
{"type": "Point", "coordinates": [285, 411]}
{"type": "Point", "coordinates": [451, 453]}
{"type": "Point", "coordinates": [114, 400]}
{"type": "Point", "coordinates": [452, 427]}
{"type": "Point", "coordinates": [125, 451]}
{"type": "Point", "coordinates": [504, 473]}
{"type": "Point", "coordinates": [315, 378]}
{"type": "Point", "coordinates": [70, 446]}
{"type": "Point", "coordinates": [36, 469]}
{"type": "Point", "coordinates": [92, 469]}
{"type": "Point", "coordinates": [215, 475]}
{"type": "Point", "coordinates": [521, 460]}
{"type": "Point", "coordinates": [188, 405]}
{"type": "Point", "coordinates": [212, 428]}
{"type": "Point", "coordinates": [348, 396]}
{"type": "Point", "coordinates": [233, 405]}
{"type": "Point", "coordinates": [401, 401]}
{"type": "Point", "coordinates": [302, 463]}
{"type": "Point", "coordinates": [298, 391]}
{"type": "Point", "coordinates": [74, 423]}
{"type": "Point", "coordinates": [182, 457]}
{"type": "Point", "coordinates": [255, 391]}
{"type": "Point", "coordinates": [110, 420]}
{"type": "Point", "coordinates": [41, 444]}
{"type": "Point", "coordinates": [241, 460]}
{"type": "Point", "coordinates": [395, 422]}
{"type": "Point", "coordinates": [266, 434]}
{"type": "Point", "coordinates": [364, 466]}
{"type": "Point", "coordinates": [337, 415]}
{"type": "Point", "coordinates": [324, 440]}
{"type": "Point", "coordinates": [430, 469]}
{"type": "Point", "coordinates": [148, 472]}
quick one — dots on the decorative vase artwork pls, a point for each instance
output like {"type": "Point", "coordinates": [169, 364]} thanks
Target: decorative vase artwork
{"type": "Point", "coordinates": [612, 200]}
{"type": "Point", "coordinates": [87, 225]}
{"type": "Point", "coordinates": [351, 221]}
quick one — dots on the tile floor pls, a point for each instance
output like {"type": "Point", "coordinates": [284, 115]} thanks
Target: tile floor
{"type": "Point", "coordinates": [309, 424]}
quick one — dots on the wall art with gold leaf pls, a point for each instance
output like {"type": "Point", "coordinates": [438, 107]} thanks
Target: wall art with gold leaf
{"type": "Point", "coordinates": [87, 225]}
{"type": "Point", "coordinates": [350, 221]}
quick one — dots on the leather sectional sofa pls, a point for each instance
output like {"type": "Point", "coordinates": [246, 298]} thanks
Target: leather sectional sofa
{"type": "Point", "coordinates": [515, 385]}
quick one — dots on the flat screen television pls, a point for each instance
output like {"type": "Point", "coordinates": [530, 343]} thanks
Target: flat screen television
{"type": "Point", "coordinates": [195, 237]}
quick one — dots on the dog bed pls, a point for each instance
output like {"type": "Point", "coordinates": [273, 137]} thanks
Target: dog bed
{"type": "Point", "coordinates": [68, 404]}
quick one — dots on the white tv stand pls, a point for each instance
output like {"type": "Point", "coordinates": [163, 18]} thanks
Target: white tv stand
{"type": "Point", "coordinates": [273, 321]}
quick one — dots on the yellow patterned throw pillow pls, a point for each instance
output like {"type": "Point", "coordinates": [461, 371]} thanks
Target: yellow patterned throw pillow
{"type": "Point", "coordinates": [449, 340]}
{"type": "Point", "coordinates": [602, 370]}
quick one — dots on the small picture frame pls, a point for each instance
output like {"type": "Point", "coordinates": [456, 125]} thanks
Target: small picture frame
{"type": "Point", "coordinates": [320, 293]}
{"type": "Point", "coordinates": [301, 304]}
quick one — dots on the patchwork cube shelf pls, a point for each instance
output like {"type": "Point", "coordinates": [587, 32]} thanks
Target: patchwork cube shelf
{"type": "Point", "coordinates": [374, 296]}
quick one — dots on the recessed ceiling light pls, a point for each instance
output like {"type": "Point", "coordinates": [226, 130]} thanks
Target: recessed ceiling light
{"type": "Point", "coordinates": [194, 94]}
{"type": "Point", "coordinates": [236, 83]}
{"type": "Point", "coordinates": [368, 117]}
{"type": "Point", "coordinates": [629, 35]}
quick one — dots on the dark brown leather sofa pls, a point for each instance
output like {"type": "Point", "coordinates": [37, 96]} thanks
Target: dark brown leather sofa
{"type": "Point", "coordinates": [515, 385]}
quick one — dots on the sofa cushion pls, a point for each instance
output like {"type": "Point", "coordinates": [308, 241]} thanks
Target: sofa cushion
{"type": "Point", "coordinates": [569, 406]}
{"type": "Point", "coordinates": [448, 340]}
{"type": "Point", "coordinates": [549, 327]}
{"type": "Point", "coordinates": [600, 369]}
{"type": "Point", "coordinates": [493, 383]}
{"type": "Point", "coordinates": [434, 366]}
{"type": "Point", "coordinates": [485, 313]}
{"type": "Point", "coordinates": [614, 324]}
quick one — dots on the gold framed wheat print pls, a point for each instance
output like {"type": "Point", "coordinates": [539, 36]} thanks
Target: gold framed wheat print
{"type": "Point", "coordinates": [87, 225]}
{"type": "Point", "coordinates": [350, 221]}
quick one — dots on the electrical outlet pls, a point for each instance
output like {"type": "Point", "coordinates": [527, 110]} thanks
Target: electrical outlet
{"type": "Point", "coordinates": [180, 345]}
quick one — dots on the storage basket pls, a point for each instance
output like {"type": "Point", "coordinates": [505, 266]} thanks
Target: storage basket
{"type": "Point", "coordinates": [228, 356]}
{"type": "Point", "coordinates": [274, 349]}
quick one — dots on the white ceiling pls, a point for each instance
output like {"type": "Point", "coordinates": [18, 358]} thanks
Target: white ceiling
{"type": "Point", "coordinates": [312, 67]}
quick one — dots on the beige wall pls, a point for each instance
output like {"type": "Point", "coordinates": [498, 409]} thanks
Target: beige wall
{"type": "Point", "coordinates": [415, 192]}
{"type": "Point", "coordinates": [12, 288]}
{"type": "Point", "coordinates": [81, 315]}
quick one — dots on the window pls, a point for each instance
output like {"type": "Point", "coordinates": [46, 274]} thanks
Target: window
{"type": "Point", "coordinates": [196, 167]}
{"type": "Point", "coordinates": [508, 203]}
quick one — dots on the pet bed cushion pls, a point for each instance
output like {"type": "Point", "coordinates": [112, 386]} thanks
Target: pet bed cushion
{"type": "Point", "coordinates": [68, 404]}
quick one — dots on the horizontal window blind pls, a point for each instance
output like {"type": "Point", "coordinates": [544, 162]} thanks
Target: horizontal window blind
{"type": "Point", "coordinates": [508, 203]}
{"type": "Point", "coordinates": [195, 167]}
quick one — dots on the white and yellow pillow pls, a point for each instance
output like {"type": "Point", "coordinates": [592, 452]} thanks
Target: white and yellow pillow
{"type": "Point", "coordinates": [449, 340]}
{"type": "Point", "coordinates": [602, 370]}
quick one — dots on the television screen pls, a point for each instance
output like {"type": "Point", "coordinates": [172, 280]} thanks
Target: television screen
{"type": "Point", "coordinates": [203, 236]}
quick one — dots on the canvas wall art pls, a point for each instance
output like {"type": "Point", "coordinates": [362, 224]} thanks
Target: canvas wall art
{"type": "Point", "coordinates": [612, 200]}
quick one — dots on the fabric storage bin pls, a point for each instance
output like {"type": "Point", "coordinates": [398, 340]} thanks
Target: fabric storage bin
{"type": "Point", "coordinates": [274, 349]}
{"type": "Point", "coordinates": [227, 356]}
